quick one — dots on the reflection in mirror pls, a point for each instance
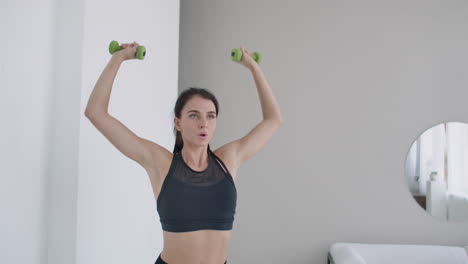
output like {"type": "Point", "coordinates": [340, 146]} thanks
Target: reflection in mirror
{"type": "Point", "coordinates": [437, 171]}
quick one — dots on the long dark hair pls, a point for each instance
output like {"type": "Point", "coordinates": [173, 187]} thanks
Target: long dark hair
{"type": "Point", "coordinates": [184, 97]}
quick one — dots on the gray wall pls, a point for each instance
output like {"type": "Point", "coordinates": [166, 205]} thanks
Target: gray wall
{"type": "Point", "coordinates": [357, 82]}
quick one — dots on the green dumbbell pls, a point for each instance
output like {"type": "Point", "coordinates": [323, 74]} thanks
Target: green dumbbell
{"type": "Point", "coordinates": [140, 52]}
{"type": "Point", "coordinates": [236, 55]}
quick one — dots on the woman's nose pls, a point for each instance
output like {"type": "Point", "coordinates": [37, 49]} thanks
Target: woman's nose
{"type": "Point", "coordinates": [203, 122]}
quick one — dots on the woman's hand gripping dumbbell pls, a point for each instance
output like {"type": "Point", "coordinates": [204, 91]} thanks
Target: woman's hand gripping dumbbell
{"type": "Point", "coordinates": [238, 55]}
{"type": "Point", "coordinates": [127, 51]}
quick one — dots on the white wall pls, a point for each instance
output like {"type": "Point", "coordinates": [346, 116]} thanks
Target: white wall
{"type": "Point", "coordinates": [117, 217]}
{"type": "Point", "coordinates": [357, 82]}
{"type": "Point", "coordinates": [26, 79]}
{"type": "Point", "coordinates": [67, 195]}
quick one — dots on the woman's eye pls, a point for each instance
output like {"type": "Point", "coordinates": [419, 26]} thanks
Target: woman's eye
{"type": "Point", "coordinates": [194, 115]}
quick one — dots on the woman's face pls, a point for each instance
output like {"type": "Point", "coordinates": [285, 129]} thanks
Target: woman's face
{"type": "Point", "coordinates": [197, 117]}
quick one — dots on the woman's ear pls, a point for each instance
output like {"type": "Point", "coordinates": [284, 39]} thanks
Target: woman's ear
{"type": "Point", "coordinates": [177, 123]}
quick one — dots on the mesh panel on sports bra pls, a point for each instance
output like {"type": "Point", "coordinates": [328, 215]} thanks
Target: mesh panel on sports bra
{"type": "Point", "coordinates": [210, 176]}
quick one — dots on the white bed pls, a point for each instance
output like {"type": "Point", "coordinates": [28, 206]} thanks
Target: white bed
{"type": "Point", "coordinates": [357, 253]}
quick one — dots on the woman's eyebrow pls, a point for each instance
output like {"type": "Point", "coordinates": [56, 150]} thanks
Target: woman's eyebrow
{"type": "Point", "coordinates": [196, 111]}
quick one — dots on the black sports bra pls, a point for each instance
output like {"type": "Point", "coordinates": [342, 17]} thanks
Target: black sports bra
{"type": "Point", "coordinates": [192, 200]}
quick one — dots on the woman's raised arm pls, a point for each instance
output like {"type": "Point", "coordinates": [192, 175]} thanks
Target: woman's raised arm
{"type": "Point", "coordinates": [246, 147]}
{"type": "Point", "coordinates": [144, 152]}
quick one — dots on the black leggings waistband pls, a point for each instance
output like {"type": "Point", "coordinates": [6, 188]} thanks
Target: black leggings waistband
{"type": "Point", "coordinates": [161, 261]}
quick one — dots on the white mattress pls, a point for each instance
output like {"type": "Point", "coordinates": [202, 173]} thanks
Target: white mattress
{"type": "Point", "coordinates": [356, 253]}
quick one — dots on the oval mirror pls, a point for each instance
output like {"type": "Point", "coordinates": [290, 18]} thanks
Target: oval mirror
{"type": "Point", "coordinates": [437, 171]}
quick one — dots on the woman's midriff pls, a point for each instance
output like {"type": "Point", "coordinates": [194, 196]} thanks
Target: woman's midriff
{"type": "Point", "coordinates": [197, 247]}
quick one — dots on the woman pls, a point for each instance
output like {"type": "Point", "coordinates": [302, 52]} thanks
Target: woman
{"type": "Point", "coordinates": [194, 186]}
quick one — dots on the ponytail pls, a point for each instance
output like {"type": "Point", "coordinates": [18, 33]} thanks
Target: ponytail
{"type": "Point", "coordinates": [179, 142]}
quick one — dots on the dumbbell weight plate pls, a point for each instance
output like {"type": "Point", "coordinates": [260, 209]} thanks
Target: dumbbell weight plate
{"type": "Point", "coordinates": [236, 54]}
{"type": "Point", "coordinates": [114, 46]}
